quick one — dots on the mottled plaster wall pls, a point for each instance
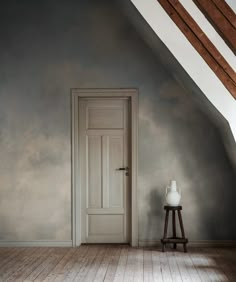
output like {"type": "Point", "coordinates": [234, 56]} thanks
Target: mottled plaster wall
{"type": "Point", "coordinates": [48, 47]}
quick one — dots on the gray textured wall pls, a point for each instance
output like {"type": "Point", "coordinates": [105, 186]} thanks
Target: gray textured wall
{"type": "Point", "coordinates": [48, 47]}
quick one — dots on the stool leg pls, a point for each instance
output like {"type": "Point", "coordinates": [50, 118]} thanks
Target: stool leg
{"type": "Point", "coordinates": [182, 229]}
{"type": "Point", "coordinates": [163, 247]}
{"type": "Point", "coordinates": [181, 224]}
{"type": "Point", "coordinates": [174, 227]}
{"type": "Point", "coordinates": [166, 224]}
{"type": "Point", "coordinates": [185, 248]}
{"type": "Point", "coordinates": [165, 230]}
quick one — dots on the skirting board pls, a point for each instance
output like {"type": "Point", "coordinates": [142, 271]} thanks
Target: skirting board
{"type": "Point", "coordinates": [202, 243]}
{"type": "Point", "coordinates": [36, 243]}
{"type": "Point", "coordinates": [199, 243]}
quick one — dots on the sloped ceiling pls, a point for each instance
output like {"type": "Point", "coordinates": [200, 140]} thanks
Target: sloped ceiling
{"type": "Point", "coordinates": [178, 72]}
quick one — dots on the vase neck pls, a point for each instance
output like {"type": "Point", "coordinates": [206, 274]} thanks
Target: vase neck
{"type": "Point", "coordinates": [173, 185]}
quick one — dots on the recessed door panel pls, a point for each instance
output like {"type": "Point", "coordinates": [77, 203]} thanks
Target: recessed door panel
{"type": "Point", "coordinates": [105, 224]}
{"type": "Point", "coordinates": [104, 117]}
{"type": "Point", "coordinates": [94, 171]}
{"type": "Point", "coordinates": [116, 176]}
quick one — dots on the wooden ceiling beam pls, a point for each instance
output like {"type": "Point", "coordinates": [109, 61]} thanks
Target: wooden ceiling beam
{"type": "Point", "coordinates": [201, 43]}
{"type": "Point", "coordinates": [223, 19]}
{"type": "Point", "coordinates": [226, 11]}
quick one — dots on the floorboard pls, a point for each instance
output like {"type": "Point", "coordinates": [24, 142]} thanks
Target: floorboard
{"type": "Point", "coordinates": [117, 263]}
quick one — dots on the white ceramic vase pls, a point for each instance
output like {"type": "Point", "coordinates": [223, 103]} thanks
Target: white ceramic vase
{"type": "Point", "coordinates": [173, 196]}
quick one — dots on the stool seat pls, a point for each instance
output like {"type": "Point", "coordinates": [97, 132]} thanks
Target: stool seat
{"type": "Point", "coordinates": [170, 208]}
{"type": "Point", "coordinates": [174, 239]}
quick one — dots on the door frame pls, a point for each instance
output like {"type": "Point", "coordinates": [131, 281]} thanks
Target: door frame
{"type": "Point", "coordinates": [77, 93]}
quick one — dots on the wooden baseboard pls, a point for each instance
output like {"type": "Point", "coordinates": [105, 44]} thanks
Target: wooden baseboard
{"type": "Point", "coordinates": [36, 243]}
{"type": "Point", "coordinates": [141, 243]}
{"type": "Point", "coordinates": [194, 243]}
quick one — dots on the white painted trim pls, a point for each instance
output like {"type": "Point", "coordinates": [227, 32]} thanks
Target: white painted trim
{"type": "Point", "coordinates": [35, 243]}
{"type": "Point", "coordinates": [194, 243]}
{"type": "Point", "coordinates": [76, 189]}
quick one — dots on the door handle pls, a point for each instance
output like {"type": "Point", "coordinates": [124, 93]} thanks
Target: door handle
{"type": "Point", "coordinates": [123, 168]}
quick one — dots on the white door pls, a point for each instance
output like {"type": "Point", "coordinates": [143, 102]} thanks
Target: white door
{"type": "Point", "coordinates": [104, 169]}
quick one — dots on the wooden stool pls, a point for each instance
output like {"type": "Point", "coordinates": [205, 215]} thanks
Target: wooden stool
{"type": "Point", "coordinates": [175, 240]}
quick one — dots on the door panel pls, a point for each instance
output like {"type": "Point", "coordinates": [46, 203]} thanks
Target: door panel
{"type": "Point", "coordinates": [105, 224]}
{"type": "Point", "coordinates": [105, 118]}
{"type": "Point", "coordinates": [105, 114]}
{"type": "Point", "coordinates": [94, 158]}
{"type": "Point", "coordinates": [116, 177]}
{"type": "Point", "coordinates": [103, 149]}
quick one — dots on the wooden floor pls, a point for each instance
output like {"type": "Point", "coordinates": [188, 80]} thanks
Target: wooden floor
{"type": "Point", "coordinates": [116, 263]}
